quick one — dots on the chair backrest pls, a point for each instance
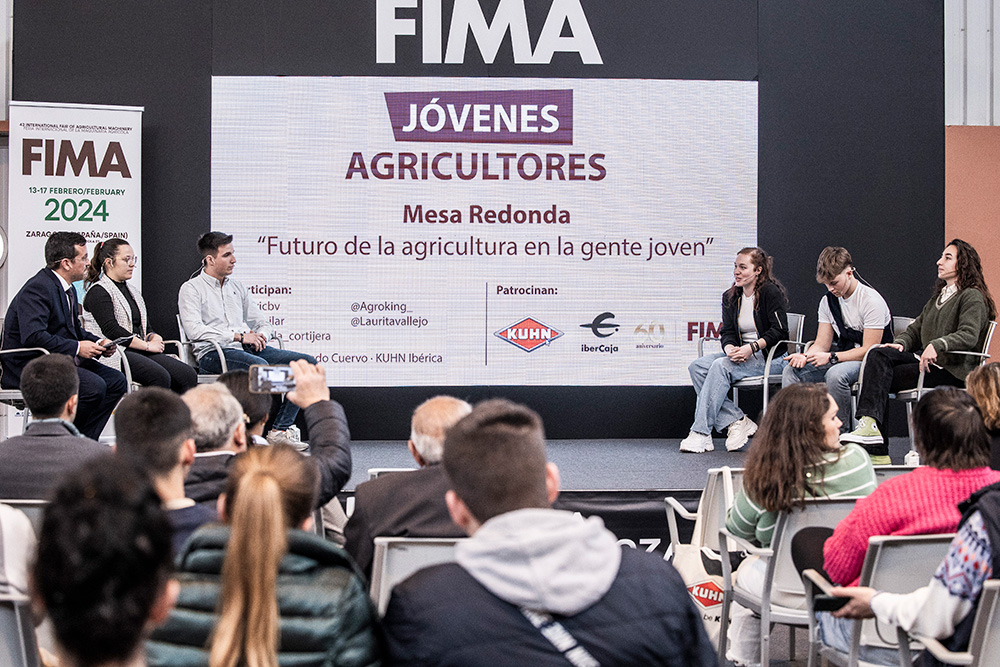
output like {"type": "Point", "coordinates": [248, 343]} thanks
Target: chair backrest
{"type": "Point", "coordinates": [33, 509]}
{"type": "Point", "coordinates": [883, 473]}
{"type": "Point", "coordinates": [18, 646]}
{"type": "Point", "coordinates": [378, 472]}
{"type": "Point", "coordinates": [826, 512]}
{"type": "Point", "coordinates": [899, 324]}
{"type": "Point", "coordinates": [396, 558]}
{"type": "Point", "coordinates": [898, 564]}
{"type": "Point", "coordinates": [992, 327]}
{"type": "Point", "coordinates": [184, 350]}
{"type": "Point", "coordinates": [796, 325]}
{"type": "Point", "coordinates": [984, 645]}
{"type": "Point", "coordinates": [715, 501]}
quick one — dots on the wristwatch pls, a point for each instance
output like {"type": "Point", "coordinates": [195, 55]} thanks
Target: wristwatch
{"type": "Point", "coordinates": [833, 358]}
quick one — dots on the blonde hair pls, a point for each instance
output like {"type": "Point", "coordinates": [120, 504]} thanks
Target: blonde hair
{"type": "Point", "coordinates": [833, 261]}
{"type": "Point", "coordinates": [270, 490]}
{"type": "Point", "coordinates": [983, 384]}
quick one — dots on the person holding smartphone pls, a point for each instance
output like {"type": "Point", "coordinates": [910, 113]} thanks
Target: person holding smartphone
{"type": "Point", "coordinates": [113, 307]}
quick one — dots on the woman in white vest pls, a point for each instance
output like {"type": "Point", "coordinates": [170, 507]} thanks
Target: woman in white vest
{"type": "Point", "coordinates": [113, 308]}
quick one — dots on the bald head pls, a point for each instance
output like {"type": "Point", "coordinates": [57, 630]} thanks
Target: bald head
{"type": "Point", "coordinates": [430, 423]}
{"type": "Point", "coordinates": [216, 418]}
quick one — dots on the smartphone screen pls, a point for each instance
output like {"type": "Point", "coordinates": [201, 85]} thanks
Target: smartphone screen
{"type": "Point", "coordinates": [271, 379]}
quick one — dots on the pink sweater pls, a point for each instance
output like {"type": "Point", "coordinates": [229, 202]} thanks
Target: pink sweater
{"type": "Point", "coordinates": [921, 502]}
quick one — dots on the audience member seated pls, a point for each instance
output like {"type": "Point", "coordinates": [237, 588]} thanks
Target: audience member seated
{"type": "Point", "coordinates": [114, 308]}
{"type": "Point", "coordinates": [944, 608]}
{"type": "Point", "coordinates": [954, 448]}
{"type": "Point", "coordinates": [45, 314]}
{"type": "Point", "coordinates": [754, 319]}
{"type": "Point", "coordinates": [956, 318]}
{"type": "Point", "coordinates": [256, 407]}
{"type": "Point", "coordinates": [586, 600]}
{"type": "Point", "coordinates": [219, 431]}
{"type": "Point", "coordinates": [261, 577]}
{"type": "Point", "coordinates": [408, 504]}
{"type": "Point", "coordinates": [219, 434]}
{"type": "Point", "coordinates": [103, 568]}
{"type": "Point", "coordinates": [795, 455]}
{"type": "Point", "coordinates": [51, 445]}
{"type": "Point", "coordinates": [17, 548]}
{"type": "Point", "coordinates": [153, 429]}
{"type": "Point", "coordinates": [853, 317]}
{"type": "Point", "coordinates": [983, 384]}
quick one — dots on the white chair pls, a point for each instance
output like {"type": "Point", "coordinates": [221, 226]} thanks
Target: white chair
{"type": "Point", "coordinates": [378, 472]}
{"type": "Point", "coordinates": [13, 397]}
{"type": "Point", "coordinates": [33, 509]}
{"type": "Point", "coordinates": [884, 473]}
{"type": "Point", "coordinates": [796, 323]}
{"type": "Point", "coordinates": [780, 576]}
{"type": "Point", "coordinates": [185, 347]}
{"type": "Point", "coordinates": [18, 645]}
{"type": "Point", "coordinates": [893, 564]}
{"type": "Point", "coordinates": [396, 558]}
{"type": "Point", "coordinates": [984, 644]}
{"type": "Point", "coordinates": [716, 499]}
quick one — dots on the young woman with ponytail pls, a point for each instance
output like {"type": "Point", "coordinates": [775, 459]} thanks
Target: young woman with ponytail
{"type": "Point", "coordinates": [114, 308]}
{"type": "Point", "coordinates": [260, 587]}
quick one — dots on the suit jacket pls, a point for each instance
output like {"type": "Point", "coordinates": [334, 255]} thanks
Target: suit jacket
{"type": "Point", "coordinates": [34, 462]}
{"type": "Point", "coordinates": [400, 504]}
{"type": "Point", "coordinates": [39, 316]}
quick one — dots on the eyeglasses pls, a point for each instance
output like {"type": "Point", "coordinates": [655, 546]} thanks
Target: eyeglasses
{"type": "Point", "coordinates": [130, 260]}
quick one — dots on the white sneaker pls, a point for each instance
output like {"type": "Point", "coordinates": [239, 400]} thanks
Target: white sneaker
{"type": "Point", "coordinates": [697, 443]}
{"type": "Point", "coordinates": [739, 432]}
{"type": "Point", "coordinates": [291, 436]}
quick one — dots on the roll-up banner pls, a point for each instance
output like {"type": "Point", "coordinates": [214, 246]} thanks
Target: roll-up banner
{"type": "Point", "coordinates": [73, 167]}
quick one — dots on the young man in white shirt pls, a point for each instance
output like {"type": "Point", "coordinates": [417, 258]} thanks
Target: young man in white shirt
{"type": "Point", "coordinates": [853, 316]}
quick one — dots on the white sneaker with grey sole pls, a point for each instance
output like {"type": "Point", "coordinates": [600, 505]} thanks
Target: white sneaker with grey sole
{"type": "Point", "coordinates": [697, 443]}
{"type": "Point", "coordinates": [739, 433]}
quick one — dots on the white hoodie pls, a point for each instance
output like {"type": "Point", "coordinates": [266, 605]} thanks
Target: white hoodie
{"type": "Point", "coordinates": [543, 559]}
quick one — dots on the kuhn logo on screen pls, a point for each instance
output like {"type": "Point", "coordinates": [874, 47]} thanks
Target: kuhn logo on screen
{"type": "Point", "coordinates": [483, 116]}
{"type": "Point", "coordinates": [529, 334]}
{"type": "Point", "coordinates": [707, 593]}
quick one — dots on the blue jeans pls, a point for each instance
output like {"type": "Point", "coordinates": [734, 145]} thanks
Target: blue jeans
{"type": "Point", "coordinates": [836, 633]}
{"type": "Point", "coordinates": [241, 359]}
{"type": "Point", "coordinates": [839, 379]}
{"type": "Point", "coordinates": [712, 376]}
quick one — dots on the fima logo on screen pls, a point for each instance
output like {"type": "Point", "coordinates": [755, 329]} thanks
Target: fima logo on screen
{"type": "Point", "coordinates": [467, 16]}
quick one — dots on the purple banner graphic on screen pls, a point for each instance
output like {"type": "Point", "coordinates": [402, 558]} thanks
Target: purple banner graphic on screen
{"type": "Point", "coordinates": [483, 116]}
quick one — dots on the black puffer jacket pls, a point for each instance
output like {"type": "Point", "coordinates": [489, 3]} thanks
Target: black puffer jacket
{"type": "Point", "coordinates": [327, 619]}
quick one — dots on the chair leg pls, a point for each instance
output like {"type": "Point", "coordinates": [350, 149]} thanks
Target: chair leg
{"type": "Point", "coordinates": [791, 643]}
{"type": "Point", "coordinates": [909, 425]}
{"type": "Point", "coordinates": [765, 635]}
{"type": "Point", "coordinates": [724, 629]}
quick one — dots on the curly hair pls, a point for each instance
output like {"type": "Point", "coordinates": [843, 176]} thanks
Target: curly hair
{"type": "Point", "coordinates": [788, 447]}
{"type": "Point", "coordinates": [970, 274]}
{"type": "Point", "coordinates": [983, 384]}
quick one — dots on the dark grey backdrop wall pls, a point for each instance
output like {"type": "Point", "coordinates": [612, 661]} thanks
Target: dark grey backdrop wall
{"type": "Point", "coordinates": [851, 135]}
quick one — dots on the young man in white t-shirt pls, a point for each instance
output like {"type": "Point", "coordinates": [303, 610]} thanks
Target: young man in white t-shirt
{"type": "Point", "coordinates": [852, 318]}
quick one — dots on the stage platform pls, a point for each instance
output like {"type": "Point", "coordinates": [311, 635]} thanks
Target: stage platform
{"type": "Point", "coordinates": [598, 464]}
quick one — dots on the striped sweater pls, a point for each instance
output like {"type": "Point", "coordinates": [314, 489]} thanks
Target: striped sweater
{"type": "Point", "coordinates": [922, 502]}
{"type": "Point", "coordinates": [843, 473]}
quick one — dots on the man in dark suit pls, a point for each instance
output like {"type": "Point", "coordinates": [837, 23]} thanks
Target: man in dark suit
{"type": "Point", "coordinates": [408, 504]}
{"type": "Point", "coordinates": [51, 446]}
{"type": "Point", "coordinates": [45, 313]}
